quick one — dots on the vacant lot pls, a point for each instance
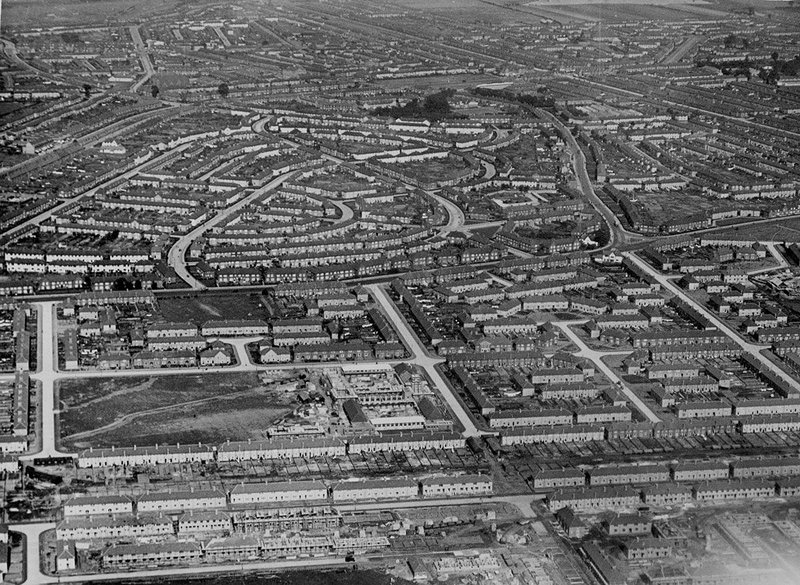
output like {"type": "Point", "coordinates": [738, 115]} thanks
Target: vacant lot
{"type": "Point", "coordinates": [207, 307]}
{"type": "Point", "coordinates": [783, 230]}
{"type": "Point", "coordinates": [668, 206]}
{"type": "Point", "coordinates": [167, 409]}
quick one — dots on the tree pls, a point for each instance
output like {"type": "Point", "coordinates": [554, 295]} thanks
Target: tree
{"type": "Point", "coordinates": [87, 90]}
{"type": "Point", "coordinates": [154, 91]}
{"type": "Point", "coordinates": [223, 90]}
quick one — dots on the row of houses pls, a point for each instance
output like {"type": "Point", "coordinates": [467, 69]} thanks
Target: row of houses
{"type": "Point", "coordinates": [278, 493]}
{"type": "Point", "coordinates": [682, 471]}
{"type": "Point", "coordinates": [668, 429]}
{"type": "Point", "coordinates": [273, 448]}
{"type": "Point", "coordinates": [592, 499]}
{"type": "Point", "coordinates": [235, 548]}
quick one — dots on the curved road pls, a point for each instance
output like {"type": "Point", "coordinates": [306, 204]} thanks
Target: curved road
{"type": "Point", "coordinates": [176, 257]}
{"type": "Point", "coordinates": [617, 233]}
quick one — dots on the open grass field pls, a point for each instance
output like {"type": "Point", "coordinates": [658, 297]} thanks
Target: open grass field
{"type": "Point", "coordinates": [667, 206]}
{"type": "Point", "coordinates": [167, 409]}
{"type": "Point", "coordinates": [49, 12]}
{"type": "Point", "coordinates": [782, 230]}
{"type": "Point", "coordinates": [200, 308]}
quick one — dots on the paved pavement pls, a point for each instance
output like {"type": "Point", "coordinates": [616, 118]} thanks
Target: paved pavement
{"type": "Point", "coordinates": [421, 358]}
{"type": "Point", "coordinates": [177, 253]}
{"type": "Point", "coordinates": [752, 348]}
{"type": "Point", "coordinates": [33, 533]}
{"type": "Point", "coordinates": [46, 374]}
{"type": "Point", "coordinates": [347, 211]}
{"type": "Point", "coordinates": [596, 357]}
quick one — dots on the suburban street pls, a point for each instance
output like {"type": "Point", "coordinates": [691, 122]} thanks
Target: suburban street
{"type": "Point", "coordinates": [421, 358]}
{"type": "Point", "coordinates": [47, 375]}
{"type": "Point", "coordinates": [141, 51]}
{"type": "Point", "coordinates": [782, 263]}
{"type": "Point", "coordinates": [45, 215]}
{"type": "Point", "coordinates": [33, 533]}
{"type": "Point", "coordinates": [752, 348]}
{"type": "Point", "coordinates": [617, 233]}
{"type": "Point", "coordinates": [597, 358]}
{"type": "Point", "coordinates": [177, 253]}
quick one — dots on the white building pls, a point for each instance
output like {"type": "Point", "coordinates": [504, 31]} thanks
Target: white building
{"type": "Point", "coordinates": [89, 505]}
{"type": "Point", "coordinates": [464, 485]}
{"type": "Point", "coordinates": [283, 491]}
{"type": "Point", "coordinates": [176, 501]}
{"type": "Point", "coordinates": [375, 489]}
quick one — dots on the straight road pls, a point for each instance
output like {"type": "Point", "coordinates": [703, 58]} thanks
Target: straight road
{"type": "Point", "coordinates": [596, 357]}
{"type": "Point", "coordinates": [141, 51]}
{"type": "Point", "coordinates": [176, 257]}
{"type": "Point", "coordinates": [47, 375]}
{"type": "Point", "coordinates": [752, 348]}
{"type": "Point", "coordinates": [45, 215]}
{"type": "Point", "coordinates": [683, 49]}
{"type": "Point", "coordinates": [33, 533]}
{"type": "Point", "coordinates": [421, 358]}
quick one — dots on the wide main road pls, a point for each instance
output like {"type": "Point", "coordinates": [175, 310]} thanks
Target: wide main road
{"type": "Point", "coordinates": [421, 358]}
{"type": "Point", "coordinates": [177, 253]}
{"type": "Point", "coordinates": [141, 51]}
{"type": "Point", "coordinates": [617, 233]}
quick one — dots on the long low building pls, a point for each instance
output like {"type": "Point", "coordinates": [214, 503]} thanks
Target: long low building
{"type": "Point", "coordinates": [282, 491]}
{"type": "Point", "coordinates": [768, 467]}
{"type": "Point", "coordinates": [734, 489]}
{"type": "Point", "coordinates": [579, 433]}
{"type": "Point", "coordinates": [628, 474]}
{"type": "Point", "coordinates": [594, 498]}
{"type": "Point", "coordinates": [558, 478]}
{"type": "Point", "coordinates": [132, 456]}
{"type": "Point", "coordinates": [281, 448]}
{"type": "Point", "coordinates": [91, 505]}
{"type": "Point", "coordinates": [462, 485]}
{"type": "Point", "coordinates": [123, 556]}
{"type": "Point", "coordinates": [530, 418]}
{"type": "Point", "coordinates": [181, 500]}
{"type": "Point", "coordinates": [82, 528]}
{"type": "Point", "coordinates": [409, 441]}
{"type": "Point", "coordinates": [699, 470]}
{"type": "Point", "coordinates": [375, 489]}
{"type": "Point", "coordinates": [765, 423]}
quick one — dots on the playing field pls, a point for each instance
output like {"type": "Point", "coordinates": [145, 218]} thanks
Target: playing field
{"type": "Point", "coordinates": [175, 408]}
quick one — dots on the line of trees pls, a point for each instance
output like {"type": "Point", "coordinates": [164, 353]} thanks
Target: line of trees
{"type": "Point", "coordinates": [538, 100]}
{"type": "Point", "coordinates": [434, 107]}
